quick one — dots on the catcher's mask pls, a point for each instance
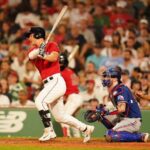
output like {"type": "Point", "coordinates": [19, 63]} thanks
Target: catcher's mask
{"type": "Point", "coordinates": [37, 32]}
{"type": "Point", "coordinates": [112, 72]}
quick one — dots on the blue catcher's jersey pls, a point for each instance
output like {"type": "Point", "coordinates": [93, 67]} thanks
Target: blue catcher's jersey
{"type": "Point", "coordinates": [122, 93]}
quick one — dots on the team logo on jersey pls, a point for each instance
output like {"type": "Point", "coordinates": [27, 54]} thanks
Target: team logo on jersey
{"type": "Point", "coordinates": [120, 98]}
{"type": "Point", "coordinates": [12, 121]}
{"type": "Point", "coordinates": [115, 93]}
{"type": "Point", "coordinates": [131, 101]}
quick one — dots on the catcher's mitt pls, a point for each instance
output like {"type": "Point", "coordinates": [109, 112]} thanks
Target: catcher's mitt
{"type": "Point", "coordinates": [91, 116]}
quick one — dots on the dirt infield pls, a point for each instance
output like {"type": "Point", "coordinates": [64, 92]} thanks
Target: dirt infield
{"type": "Point", "coordinates": [72, 143]}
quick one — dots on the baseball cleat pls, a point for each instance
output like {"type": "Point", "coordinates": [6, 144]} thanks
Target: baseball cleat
{"type": "Point", "coordinates": [47, 135]}
{"type": "Point", "coordinates": [87, 133]}
{"type": "Point", "coordinates": [145, 137]}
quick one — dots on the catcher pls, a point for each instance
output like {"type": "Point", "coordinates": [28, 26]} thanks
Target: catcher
{"type": "Point", "coordinates": [125, 126]}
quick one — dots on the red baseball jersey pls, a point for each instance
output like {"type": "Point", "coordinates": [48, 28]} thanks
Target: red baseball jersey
{"type": "Point", "coordinates": [45, 67]}
{"type": "Point", "coordinates": [71, 81]}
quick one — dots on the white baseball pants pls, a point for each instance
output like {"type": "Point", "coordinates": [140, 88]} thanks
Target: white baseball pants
{"type": "Point", "coordinates": [51, 95]}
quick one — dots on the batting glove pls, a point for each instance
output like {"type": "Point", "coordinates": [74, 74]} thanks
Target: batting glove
{"type": "Point", "coordinates": [42, 49]}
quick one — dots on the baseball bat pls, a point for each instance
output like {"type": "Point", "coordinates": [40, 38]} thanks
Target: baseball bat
{"type": "Point", "coordinates": [74, 51]}
{"type": "Point", "coordinates": [60, 16]}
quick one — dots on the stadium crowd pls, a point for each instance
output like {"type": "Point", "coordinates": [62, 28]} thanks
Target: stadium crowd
{"type": "Point", "coordinates": [108, 33]}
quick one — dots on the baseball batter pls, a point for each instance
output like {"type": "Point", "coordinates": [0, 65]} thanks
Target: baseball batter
{"type": "Point", "coordinates": [46, 60]}
{"type": "Point", "coordinates": [72, 97]}
{"type": "Point", "coordinates": [126, 127]}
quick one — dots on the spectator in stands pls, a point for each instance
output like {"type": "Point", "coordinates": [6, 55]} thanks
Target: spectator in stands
{"type": "Point", "coordinates": [96, 57]}
{"type": "Point", "coordinates": [82, 81]}
{"type": "Point", "coordinates": [125, 78]}
{"type": "Point", "coordinates": [76, 36]}
{"type": "Point", "coordinates": [116, 58]}
{"type": "Point", "coordinates": [14, 85]}
{"type": "Point", "coordinates": [4, 46]}
{"type": "Point", "coordinates": [2, 18]}
{"type": "Point", "coordinates": [77, 14]}
{"type": "Point", "coordinates": [4, 100]}
{"type": "Point", "coordinates": [90, 70]}
{"type": "Point", "coordinates": [107, 42]}
{"type": "Point", "coordinates": [101, 20]}
{"type": "Point", "coordinates": [5, 33]}
{"type": "Point", "coordinates": [141, 94]}
{"type": "Point", "coordinates": [86, 32]}
{"type": "Point", "coordinates": [5, 88]}
{"type": "Point", "coordinates": [34, 6]}
{"type": "Point", "coordinates": [128, 61]}
{"type": "Point", "coordinates": [19, 64]}
{"type": "Point", "coordinates": [60, 34]}
{"type": "Point", "coordinates": [146, 11]}
{"type": "Point", "coordinates": [145, 85]}
{"type": "Point", "coordinates": [146, 48]}
{"type": "Point", "coordinates": [136, 74]}
{"type": "Point", "coordinates": [46, 23]}
{"type": "Point", "coordinates": [144, 35]}
{"type": "Point", "coordinates": [143, 24]}
{"type": "Point", "coordinates": [142, 61]}
{"type": "Point", "coordinates": [5, 67]}
{"type": "Point", "coordinates": [144, 103]}
{"type": "Point", "coordinates": [144, 93]}
{"type": "Point", "coordinates": [23, 100]}
{"type": "Point", "coordinates": [120, 18]}
{"type": "Point", "coordinates": [54, 10]}
{"type": "Point", "coordinates": [135, 86]}
{"type": "Point", "coordinates": [89, 93]}
{"type": "Point", "coordinates": [116, 38]}
{"type": "Point", "coordinates": [27, 19]}
{"type": "Point", "coordinates": [131, 41]}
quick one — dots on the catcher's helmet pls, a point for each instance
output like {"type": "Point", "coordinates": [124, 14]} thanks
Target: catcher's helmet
{"type": "Point", "coordinates": [63, 60]}
{"type": "Point", "coordinates": [113, 72]}
{"type": "Point", "coordinates": [38, 32]}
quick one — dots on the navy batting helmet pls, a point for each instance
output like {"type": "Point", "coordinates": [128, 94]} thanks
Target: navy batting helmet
{"type": "Point", "coordinates": [38, 32]}
{"type": "Point", "coordinates": [113, 72]}
{"type": "Point", "coordinates": [63, 60]}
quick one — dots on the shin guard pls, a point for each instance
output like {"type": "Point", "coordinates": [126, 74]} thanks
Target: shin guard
{"type": "Point", "coordinates": [46, 120]}
{"type": "Point", "coordinates": [123, 136]}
